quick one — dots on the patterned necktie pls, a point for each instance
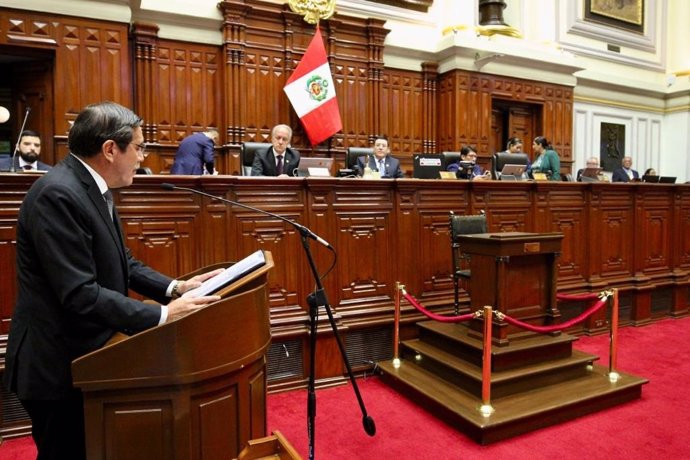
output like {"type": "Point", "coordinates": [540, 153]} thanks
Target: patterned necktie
{"type": "Point", "coordinates": [382, 168]}
{"type": "Point", "coordinates": [279, 166]}
{"type": "Point", "coordinates": [108, 197]}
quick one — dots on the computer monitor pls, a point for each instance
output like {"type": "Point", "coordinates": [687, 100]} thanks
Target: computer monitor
{"type": "Point", "coordinates": [650, 179]}
{"type": "Point", "coordinates": [512, 172]}
{"type": "Point", "coordinates": [667, 180]}
{"type": "Point", "coordinates": [314, 166]}
{"type": "Point", "coordinates": [426, 166]}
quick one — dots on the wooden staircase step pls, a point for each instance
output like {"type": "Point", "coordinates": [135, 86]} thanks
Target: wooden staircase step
{"type": "Point", "coordinates": [461, 341]}
{"type": "Point", "coordinates": [516, 413]}
{"type": "Point", "coordinates": [468, 376]}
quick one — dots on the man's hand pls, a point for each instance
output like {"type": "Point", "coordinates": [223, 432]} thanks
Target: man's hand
{"type": "Point", "coordinates": [193, 283]}
{"type": "Point", "coordinates": [184, 305]}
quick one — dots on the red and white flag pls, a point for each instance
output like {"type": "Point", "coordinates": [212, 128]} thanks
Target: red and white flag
{"type": "Point", "coordinates": [311, 92]}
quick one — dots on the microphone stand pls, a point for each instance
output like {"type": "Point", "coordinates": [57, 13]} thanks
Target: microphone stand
{"type": "Point", "coordinates": [16, 147]}
{"type": "Point", "coordinates": [314, 300]}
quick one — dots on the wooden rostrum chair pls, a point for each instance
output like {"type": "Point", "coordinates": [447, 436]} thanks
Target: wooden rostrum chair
{"type": "Point", "coordinates": [462, 225]}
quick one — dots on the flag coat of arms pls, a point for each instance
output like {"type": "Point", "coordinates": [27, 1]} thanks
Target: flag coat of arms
{"type": "Point", "coordinates": [311, 92]}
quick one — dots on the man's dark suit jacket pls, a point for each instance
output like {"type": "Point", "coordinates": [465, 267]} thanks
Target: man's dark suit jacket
{"type": "Point", "coordinates": [74, 272]}
{"type": "Point", "coordinates": [6, 162]}
{"type": "Point", "coordinates": [265, 162]}
{"type": "Point", "coordinates": [619, 175]}
{"type": "Point", "coordinates": [194, 153]}
{"type": "Point", "coordinates": [392, 166]}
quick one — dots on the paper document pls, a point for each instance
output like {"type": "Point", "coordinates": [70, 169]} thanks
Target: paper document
{"type": "Point", "coordinates": [229, 275]}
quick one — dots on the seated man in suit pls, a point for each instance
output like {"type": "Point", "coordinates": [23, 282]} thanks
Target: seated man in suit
{"type": "Point", "coordinates": [386, 165]}
{"type": "Point", "coordinates": [468, 155]}
{"type": "Point", "coordinates": [592, 162]}
{"type": "Point", "coordinates": [626, 173]}
{"type": "Point", "coordinates": [279, 159]}
{"type": "Point", "coordinates": [29, 149]}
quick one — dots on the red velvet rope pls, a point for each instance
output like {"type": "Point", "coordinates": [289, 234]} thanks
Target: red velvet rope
{"type": "Point", "coordinates": [515, 322]}
{"type": "Point", "coordinates": [434, 316]}
{"type": "Point", "coordinates": [588, 296]}
{"type": "Point", "coordinates": [555, 327]}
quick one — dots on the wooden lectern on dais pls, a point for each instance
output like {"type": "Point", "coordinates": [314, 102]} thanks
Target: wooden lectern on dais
{"type": "Point", "coordinates": [191, 388]}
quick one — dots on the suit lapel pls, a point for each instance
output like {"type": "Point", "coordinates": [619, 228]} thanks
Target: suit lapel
{"type": "Point", "coordinates": [100, 205]}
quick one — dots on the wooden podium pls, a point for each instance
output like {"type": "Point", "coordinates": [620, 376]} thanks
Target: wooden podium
{"type": "Point", "coordinates": [194, 388]}
{"type": "Point", "coordinates": [515, 273]}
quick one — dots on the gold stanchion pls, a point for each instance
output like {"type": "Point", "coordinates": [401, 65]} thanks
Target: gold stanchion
{"type": "Point", "coordinates": [613, 337]}
{"type": "Point", "coordinates": [486, 409]}
{"type": "Point", "coordinates": [396, 325]}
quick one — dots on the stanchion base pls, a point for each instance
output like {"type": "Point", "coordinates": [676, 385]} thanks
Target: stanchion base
{"type": "Point", "coordinates": [396, 363]}
{"type": "Point", "coordinates": [486, 410]}
{"type": "Point", "coordinates": [614, 376]}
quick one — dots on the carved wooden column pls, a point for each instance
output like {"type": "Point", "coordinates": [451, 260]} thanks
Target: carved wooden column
{"type": "Point", "coordinates": [376, 35]}
{"type": "Point", "coordinates": [145, 37]}
{"type": "Point", "coordinates": [430, 76]}
{"type": "Point", "coordinates": [234, 40]}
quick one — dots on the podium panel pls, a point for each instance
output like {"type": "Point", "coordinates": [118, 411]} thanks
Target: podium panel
{"type": "Point", "coordinates": [194, 388]}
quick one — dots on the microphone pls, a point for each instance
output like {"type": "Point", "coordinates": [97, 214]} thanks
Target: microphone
{"type": "Point", "coordinates": [16, 147]}
{"type": "Point", "coordinates": [304, 231]}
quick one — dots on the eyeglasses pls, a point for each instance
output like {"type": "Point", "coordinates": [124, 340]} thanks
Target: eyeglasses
{"type": "Point", "coordinates": [141, 148]}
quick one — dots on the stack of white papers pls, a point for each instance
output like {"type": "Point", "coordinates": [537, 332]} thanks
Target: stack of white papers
{"type": "Point", "coordinates": [229, 275]}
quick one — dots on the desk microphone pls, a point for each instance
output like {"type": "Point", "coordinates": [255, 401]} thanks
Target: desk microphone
{"type": "Point", "coordinates": [304, 231]}
{"type": "Point", "coordinates": [16, 147]}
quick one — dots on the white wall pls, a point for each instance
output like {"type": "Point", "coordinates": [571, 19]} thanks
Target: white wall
{"type": "Point", "coordinates": [643, 136]}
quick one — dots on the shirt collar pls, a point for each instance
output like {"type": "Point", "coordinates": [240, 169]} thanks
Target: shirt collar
{"type": "Point", "coordinates": [100, 182]}
{"type": "Point", "coordinates": [33, 165]}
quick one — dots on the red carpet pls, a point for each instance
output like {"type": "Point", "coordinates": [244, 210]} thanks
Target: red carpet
{"type": "Point", "coordinates": [655, 426]}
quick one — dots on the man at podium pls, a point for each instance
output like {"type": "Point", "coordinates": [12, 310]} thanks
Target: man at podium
{"type": "Point", "coordinates": [74, 273]}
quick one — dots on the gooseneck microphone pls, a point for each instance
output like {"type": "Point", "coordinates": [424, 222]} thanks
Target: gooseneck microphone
{"type": "Point", "coordinates": [16, 147]}
{"type": "Point", "coordinates": [301, 228]}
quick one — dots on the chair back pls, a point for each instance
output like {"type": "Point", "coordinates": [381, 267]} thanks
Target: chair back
{"type": "Point", "coordinates": [144, 170]}
{"type": "Point", "coordinates": [448, 158]}
{"type": "Point", "coordinates": [247, 152]}
{"type": "Point", "coordinates": [355, 152]}
{"type": "Point", "coordinates": [466, 225]}
{"type": "Point", "coordinates": [500, 159]}
{"type": "Point", "coordinates": [462, 225]}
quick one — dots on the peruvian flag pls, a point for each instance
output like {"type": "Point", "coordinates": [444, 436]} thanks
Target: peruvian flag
{"type": "Point", "coordinates": [311, 92]}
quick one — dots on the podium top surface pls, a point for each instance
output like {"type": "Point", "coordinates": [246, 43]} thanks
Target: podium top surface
{"type": "Point", "coordinates": [510, 243]}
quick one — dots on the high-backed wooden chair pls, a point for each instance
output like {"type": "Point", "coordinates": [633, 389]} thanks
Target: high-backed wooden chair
{"type": "Point", "coordinates": [462, 225]}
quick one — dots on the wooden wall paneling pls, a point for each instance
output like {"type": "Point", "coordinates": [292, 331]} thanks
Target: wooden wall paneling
{"type": "Point", "coordinates": [362, 222]}
{"type": "Point", "coordinates": [92, 61]}
{"type": "Point", "coordinates": [234, 83]}
{"type": "Point", "coordinates": [145, 40]}
{"type": "Point", "coordinates": [508, 206]}
{"type": "Point", "coordinates": [164, 229]}
{"type": "Point", "coordinates": [447, 104]}
{"type": "Point", "coordinates": [655, 232]}
{"type": "Point", "coordinates": [680, 252]}
{"type": "Point", "coordinates": [32, 87]}
{"type": "Point", "coordinates": [402, 109]}
{"type": "Point", "coordinates": [567, 214]}
{"type": "Point", "coordinates": [93, 50]}
{"type": "Point", "coordinates": [429, 119]}
{"type": "Point", "coordinates": [12, 191]}
{"type": "Point", "coordinates": [425, 264]}
{"type": "Point", "coordinates": [376, 34]}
